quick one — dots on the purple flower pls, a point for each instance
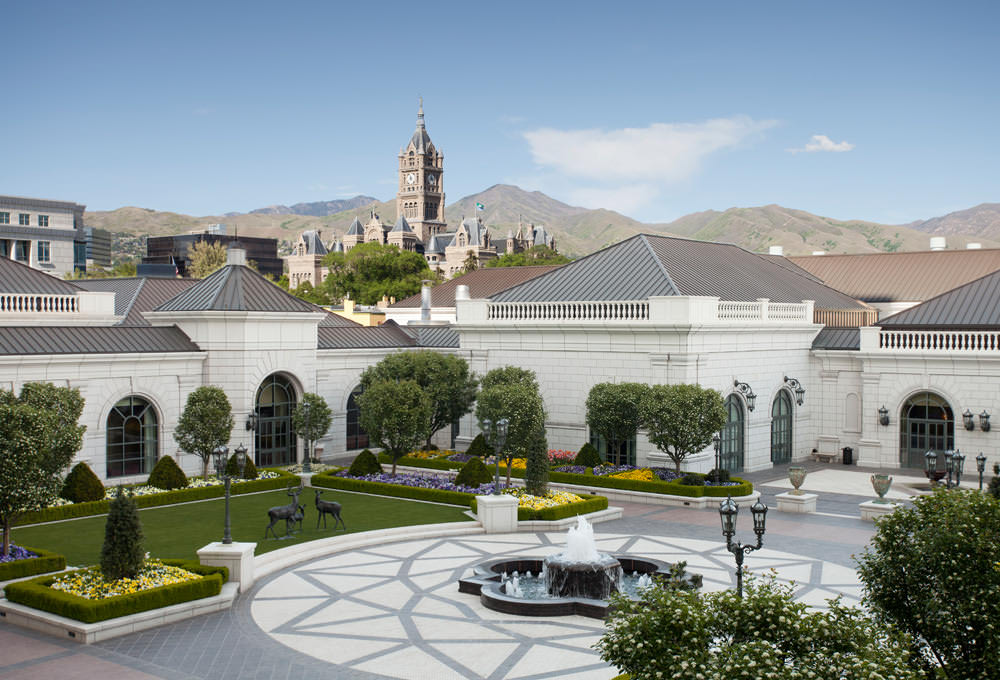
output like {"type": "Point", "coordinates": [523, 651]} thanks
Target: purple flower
{"type": "Point", "coordinates": [460, 458]}
{"type": "Point", "coordinates": [420, 481]}
{"type": "Point", "coordinates": [605, 470]}
{"type": "Point", "coordinates": [17, 553]}
{"type": "Point", "coordinates": [572, 469]}
{"type": "Point", "coordinates": [664, 474]}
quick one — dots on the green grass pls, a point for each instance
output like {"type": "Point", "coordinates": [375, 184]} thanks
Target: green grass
{"type": "Point", "coordinates": [177, 531]}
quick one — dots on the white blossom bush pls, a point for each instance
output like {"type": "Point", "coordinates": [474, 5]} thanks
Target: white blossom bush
{"type": "Point", "coordinates": [686, 635]}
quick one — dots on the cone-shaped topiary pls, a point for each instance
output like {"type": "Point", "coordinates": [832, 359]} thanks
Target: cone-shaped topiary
{"type": "Point", "coordinates": [82, 485]}
{"type": "Point", "coordinates": [122, 553]}
{"type": "Point", "coordinates": [167, 475]}
{"type": "Point", "coordinates": [536, 474]}
{"type": "Point", "coordinates": [588, 456]}
{"type": "Point", "coordinates": [365, 464]}
{"type": "Point", "coordinates": [721, 474]}
{"type": "Point", "coordinates": [474, 473]}
{"type": "Point", "coordinates": [249, 469]}
{"type": "Point", "coordinates": [478, 446]}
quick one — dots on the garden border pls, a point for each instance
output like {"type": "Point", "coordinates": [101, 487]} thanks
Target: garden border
{"type": "Point", "coordinates": [45, 563]}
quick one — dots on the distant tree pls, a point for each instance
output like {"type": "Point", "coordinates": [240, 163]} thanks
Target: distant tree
{"type": "Point", "coordinates": [536, 255]}
{"type": "Point", "coordinates": [522, 406]}
{"type": "Point", "coordinates": [39, 435]}
{"type": "Point", "coordinates": [509, 375]}
{"type": "Point", "coordinates": [471, 262]}
{"type": "Point", "coordinates": [613, 413]}
{"type": "Point", "coordinates": [317, 296]}
{"type": "Point", "coordinates": [122, 554]}
{"type": "Point", "coordinates": [444, 378]}
{"type": "Point", "coordinates": [681, 419]}
{"type": "Point", "coordinates": [205, 423]}
{"type": "Point", "coordinates": [205, 258]}
{"type": "Point", "coordinates": [370, 271]}
{"type": "Point", "coordinates": [314, 425]}
{"type": "Point", "coordinates": [395, 416]}
{"type": "Point", "coordinates": [125, 268]}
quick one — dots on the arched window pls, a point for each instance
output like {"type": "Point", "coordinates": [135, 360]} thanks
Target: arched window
{"type": "Point", "coordinates": [781, 428]}
{"type": "Point", "coordinates": [731, 452]}
{"type": "Point", "coordinates": [132, 441]}
{"type": "Point", "coordinates": [275, 442]}
{"type": "Point", "coordinates": [926, 423]}
{"type": "Point", "coordinates": [357, 438]}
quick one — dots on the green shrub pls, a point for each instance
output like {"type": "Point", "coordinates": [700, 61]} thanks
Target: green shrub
{"type": "Point", "coordinates": [249, 469]}
{"type": "Point", "coordinates": [588, 456]}
{"type": "Point", "coordinates": [433, 447]}
{"type": "Point", "coordinates": [478, 446]}
{"type": "Point", "coordinates": [692, 479]}
{"type": "Point", "coordinates": [718, 473]}
{"type": "Point", "coordinates": [365, 463]}
{"type": "Point", "coordinates": [167, 475]}
{"type": "Point", "coordinates": [122, 554]}
{"type": "Point", "coordinates": [474, 473]}
{"type": "Point", "coordinates": [43, 564]}
{"type": "Point", "coordinates": [536, 473]}
{"type": "Point", "coordinates": [82, 485]}
{"type": "Point", "coordinates": [589, 504]}
{"type": "Point", "coordinates": [994, 487]}
{"type": "Point", "coordinates": [37, 594]}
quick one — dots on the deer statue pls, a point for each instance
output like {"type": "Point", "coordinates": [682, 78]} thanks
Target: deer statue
{"type": "Point", "coordinates": [325, 508]}
{"type": "Point", "coordinates": [285, 512]}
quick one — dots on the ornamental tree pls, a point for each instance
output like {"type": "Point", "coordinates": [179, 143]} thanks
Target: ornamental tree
{"type": "Point", "coordinates": [931, 570]}
{"type": "Point", "coordinates": [205, 258]}
{"type": "Point", "coordinates": [536, 473]}
{"type": "Point", "coordinates": [445, 379]}
{"type": "Point", "coordinates": [533, 256]}
{"type": "Point", "coordinates": [522, 406]}
{"type": "Point", "coordinates": [681, 419]}
{"type": "Point", "coordinates": [39, 435]}
{"type": "Point", "coordinates": [395, 416]}
{"type": "Point", "coordinates": [205, 423]}
{"type": "Point", "coordinates": [687, 635]}
{"type": "Point", "coordinates": [613, 412]}
{"type": "Point", "coordinates": [508, 375]}
{"type": "Point", "coordinates": [313, 425]}
{"type": "Point", "coordinates": [369, 271]}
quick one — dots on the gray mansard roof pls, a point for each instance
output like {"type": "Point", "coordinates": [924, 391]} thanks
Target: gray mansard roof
{"type": "Point", "coordinates": [402, 226]}
{"type": "Point", "coordinates": [976, 305]}
{"type": "Point", "coordinates": [21, 340]}
{"type": "Point", "coordinates": [649, 265]}
{"type": "Point", "coordinates": [355, 229]}
{"type": "Point", "coordinates": [390, 334]}
{"type": "Point", "coordinates": [135, 296]}
{"type": "Point", "coordinates": [476, 230]}
{"type": "Point", "coordinates": [236, 288]}
{"type": "Point", "coordinates": [20, 278]}
{"type": "Point", "coordinates": [314, 245]}
{"type": "Point", "coordinates": [837, 338]}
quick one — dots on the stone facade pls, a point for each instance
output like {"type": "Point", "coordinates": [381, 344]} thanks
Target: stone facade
{"type": "Point", "coordinates": [45, 235]}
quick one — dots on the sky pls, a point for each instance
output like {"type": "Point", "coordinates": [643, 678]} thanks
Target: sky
{"type": "Point", "coordinates": [885, 111]}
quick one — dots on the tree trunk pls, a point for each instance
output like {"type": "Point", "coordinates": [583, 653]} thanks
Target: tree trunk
{"type": "Point", "coordinates": [508, 474]}
{"type": "Point", "coordinates": [677, 465]}
{"type": "Point", "coordinates": [204, 468]}
{"type": "Point", "coordinates": [6, 536]}
{"type": "Point", "coordinates": [394, 466]}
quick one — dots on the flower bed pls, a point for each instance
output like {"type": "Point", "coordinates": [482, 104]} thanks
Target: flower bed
{"type": "Point", "coordinates": [91, 585]}
{"type": "Point", "coordinates": [38, 593]}
{"type": "Point", "coordinates": [24, 561]}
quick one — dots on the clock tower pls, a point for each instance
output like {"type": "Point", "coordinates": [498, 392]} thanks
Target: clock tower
{"type": "Point", "coordinates": [421, 183]}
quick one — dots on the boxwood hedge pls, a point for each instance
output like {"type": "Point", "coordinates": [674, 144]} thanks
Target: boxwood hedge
{"type": "Point", "coordinates": [36, 593]}
{"type": "Point", "coordinates": [590, 503]}
{"type": "Point", "coordinates": [43, 564]}
{"type": "Point", "coordinates": [166, 498]}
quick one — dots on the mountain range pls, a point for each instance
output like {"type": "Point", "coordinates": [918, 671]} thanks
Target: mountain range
{"type": "Point", "coordinates": [579, 231]}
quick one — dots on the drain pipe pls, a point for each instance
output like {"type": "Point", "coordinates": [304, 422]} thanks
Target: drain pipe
{"type": "Point", "coordinates": [425, 301]}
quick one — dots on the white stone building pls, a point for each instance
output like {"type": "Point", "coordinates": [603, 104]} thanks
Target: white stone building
{"type": "Point", "coordinates": [43, 234]}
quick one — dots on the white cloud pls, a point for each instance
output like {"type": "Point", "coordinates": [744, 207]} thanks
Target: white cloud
{"type": "Point", "coordinates": [823, 143]}
{"type": "Point", "coordinates": [662, 152]}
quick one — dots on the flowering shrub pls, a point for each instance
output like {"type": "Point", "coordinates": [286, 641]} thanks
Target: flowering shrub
{"type": "Point", "coordinates": [554, 498]}
{"type": "Point", "coordinates": [665, 475]}
{"type": "Point", "coordinates": [419, 481]}
{"type": "Point", "coordinates": [608, 469]}
{"type": "Point", "coordinates": [90, 584]}
{"type": "Point", "coordinates": [17, 553]}
{"type": "Point", "coordinates": [573, 469]}
{"type": "Point", "coordinates": [686, 635]}
{"type": "Point", "coordinates": [640, 474]}
{"type": "Point", "coordinates": [460, 457]}
{"type": "Point", "coordinates": [561, 456]}
{"type": "Point", "coordinates": [444, 453]}
{"type": "Point", "coordinates": [195, 483]}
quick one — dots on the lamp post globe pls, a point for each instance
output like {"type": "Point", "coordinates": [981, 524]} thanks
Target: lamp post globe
{"type": "Point", "coordinates": [728, 511]}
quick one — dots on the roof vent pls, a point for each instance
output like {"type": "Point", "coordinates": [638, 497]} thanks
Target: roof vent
{"type": "Point", "coordinates": [236, 255]}
{"type": "Point", "coordinates": [973, 246]}
{"type": "Point", "coordinates": [462, 292]}
{"type": "Point", "coordinates": [819, 252]}
{"type": "Point", "coordinates": [938, 243]}
{"type": "Point", "coordinates": [776, 250]}
{"type": "Point", "coordinates": [425, 301]}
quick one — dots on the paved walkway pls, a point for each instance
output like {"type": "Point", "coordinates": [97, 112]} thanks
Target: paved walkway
{"type": "Point", "coordinates": [394, 611]}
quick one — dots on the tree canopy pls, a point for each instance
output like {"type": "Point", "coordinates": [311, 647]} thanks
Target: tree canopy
{"type": "Point", "coordinates": [205, 423]}
{"type": "Point", "coordinates": [681, 419]}
{"type": "Point", "coordinates": [370, 271]}
{"type": "Point", "coordinates": [39, 435]}
{"type": "Point", "coordinates": [395, 416]}
{"type": "Point", "coordinates": [509, 375]}
{"type": "Point", "coordinates": [613, 412]}
{"type": "Point", "coordinates": [535, 255]}
{"type": "Point", "coordinates": [314, 425]}
{"type": "Point", "coordinates": [523, 407]}
{"type": "Point", "coordinates": [205, 258]}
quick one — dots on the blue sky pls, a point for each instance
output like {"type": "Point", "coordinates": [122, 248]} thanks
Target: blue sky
{"type": "Point", "coordinates": [881, 111]}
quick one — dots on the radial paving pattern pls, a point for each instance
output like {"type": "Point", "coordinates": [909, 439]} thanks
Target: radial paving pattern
{"type": "Point", "coordinates": [395, 610]}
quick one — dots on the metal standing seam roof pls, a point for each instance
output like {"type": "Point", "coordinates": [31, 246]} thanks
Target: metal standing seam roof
{"type": "Point", "coordinates": [482, 283]}
{"type": "Point", "coordinates": [976, 305]}
{"type": "Point", "coordinates": [31, 340]}
{"type": "Point", "coordinates": [135, 296]}
{"type": "Point", "coordinates": [332, 320]}
{"type": "Point", "coordinates": [314, 246]}
{"type": "Point", "coordinates": [887, 277]}
{"type": "Point", "coordinates": [837, 338]}
{"type": "Point", "coordinates": [236, 288]}
{"type": "Point", "coordinates": [355, 229]}
{"type": "Point", "coordinates": [387, 335]}
{"type": "Point", "coordinates": [433, 336]}
{"type": "Point", "coordinates": [402, 225]}
{"type": "Point", "coordinates": [125, 290]}
{"type": "Point", "coordinates": [20, 278]}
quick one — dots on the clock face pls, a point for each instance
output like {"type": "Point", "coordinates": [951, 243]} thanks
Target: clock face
{"type": "Point", "coordinates": [432, 179]}
{"type": "Point", "coordinates": [411, 178]}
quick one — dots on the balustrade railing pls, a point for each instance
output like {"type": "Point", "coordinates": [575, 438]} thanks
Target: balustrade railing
{"type": "Point", "coordinates": [35, 303]}
{"type": "Point", "coordinates": [939, 341]}
{"type": "Point", "coordinates": [627, 310]}
{"type": "Point", "coordinates": [693, 310]}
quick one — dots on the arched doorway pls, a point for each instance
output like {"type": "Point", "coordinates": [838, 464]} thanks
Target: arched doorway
{"type": "Point", "coordinates": [275, 442]}
{"type": "Point", "coordinates": [132, 440]}
{"type": "Point", "coordinates": [731, 451]}
{"type": "Point", "coordinates": [926, 423]}
{"type": "Point", "coordinates": [781, 428]}
{"type": "Point", "coordinates": [357, 438]}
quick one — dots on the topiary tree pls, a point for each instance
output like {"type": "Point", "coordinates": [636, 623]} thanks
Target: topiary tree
{"type": "Point", "coordinates": [82, 485]}
{"type": "Point", "coordinates": [931, 570]}
{"type": "Point", "coordinates": [521, 405]}
{"type": "Point", "coordinates": [249, 469]}
{"type": "Point", "coordinates": [613, 412]}
{"type": "Point", "coordinates": [365, 463]}
{"type": "Point", "coordinates": [683, 634]}
{"type": "Point", "coordinates": [395, 416]}
{"type": "Point", "coordinates": [474, 473]}
{"type": "Point", "coordinates": [122, 554]}
{"type": "Point", "coordinates": [313, 422]}
{"type": "Point", "coordinates": [205, 424]}
{"type": "Point", "coordinates": [167, 475]}
{"type": "Point", "coordinates": [536, 473]}
{"type": "Point", "coordinates": [509, 375]}
{"type": "Point", "coordinates": [681, 419]}
{"type": "Point", "coordinates": [588, 456]}
{"type": "Point", "coordinates": [478, 446]}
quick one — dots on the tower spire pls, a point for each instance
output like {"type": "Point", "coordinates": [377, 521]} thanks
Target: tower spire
{"type": "Point", "coordinates": [420, 113]}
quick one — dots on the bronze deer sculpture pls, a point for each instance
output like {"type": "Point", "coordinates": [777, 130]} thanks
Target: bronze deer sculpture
{"type": "Point", "coordinates": [324, 508]}
{"type": "Point", "coordinates": [285, 512]}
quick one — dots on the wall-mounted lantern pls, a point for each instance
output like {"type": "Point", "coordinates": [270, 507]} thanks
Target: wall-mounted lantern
{"type": "Point", "coordinates": [969, 420]}
{"type": "Point", "coordinates": [883, 416]}
{"type": "Point", "coordinates": [984, 421]}
{"type": "Point", "coordinates": [747, 393]}
{"type": "Point", "coordinates": [797, 387]}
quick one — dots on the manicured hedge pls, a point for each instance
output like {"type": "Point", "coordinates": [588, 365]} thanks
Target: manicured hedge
{"type": "Point", "coordinates": [589, 504]}
{"type": "Point", "coordinates": [36, 594]}
{"type": "Point", "coordinates": [43, 564]}
{"type": "Point", "coordinates": [429, 463]}
{"type": "Point", "coordinates": [165, 498]}
{"type": "Point", "coordinates": [395, 490]}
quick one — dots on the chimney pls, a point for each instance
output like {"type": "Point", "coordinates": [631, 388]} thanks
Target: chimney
{"type": "Point", "coordinates": [776, 250]}
{"type": "Point", "coordinates": [973, 246]}
{"type": "Point", "coordinates": [938, 243]}
{"type": "Point", "coordinates": [425, 301]}
{"type": "Point", "coordinates": [348, 305]}
{"type": "Point", "coordinates": [819, 252]}
{"type": "Point", "coordinates": [462, 292]}
{"type": "Point", "coordinates": [236, 255]}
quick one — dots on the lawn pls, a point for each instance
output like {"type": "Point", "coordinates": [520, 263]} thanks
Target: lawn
{"type": "Point", "coordinates": [177, 531]}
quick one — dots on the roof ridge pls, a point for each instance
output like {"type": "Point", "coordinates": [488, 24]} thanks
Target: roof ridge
{"type": "Point", "coordinates": [131, 303]}
{"type": "Point", "coordinates": [658, 261]}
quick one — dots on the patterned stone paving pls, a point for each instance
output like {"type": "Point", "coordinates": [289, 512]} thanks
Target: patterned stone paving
{"type": "Point", "coordinates": [395, 610]}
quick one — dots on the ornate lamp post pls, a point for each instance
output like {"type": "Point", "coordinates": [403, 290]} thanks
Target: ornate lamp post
{"type": "Point", "coordinates": [981, 468]}
{"type": "Point", "coordinates": [958, 460]}
{"type": "Point", "coordinates": [220, 457]}
{"type": "Point", "coordinates": [717, 443]}
{"type": "Point", "coordinates": [728, 510]}
{"type": "Point", "coordinates": [307, 465]}
{"type": "Point", "coordinates": [933, 474]}
{"type": "Point", "coordinates": [496, 437]}
{"type": "Point", "coordinates": [251, 426]}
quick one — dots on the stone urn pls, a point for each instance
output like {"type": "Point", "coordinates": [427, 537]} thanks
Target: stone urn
{"type": "Point", "coordinates": [796, 475]}
{"type": "Point", "coordinates": [881, 483]}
